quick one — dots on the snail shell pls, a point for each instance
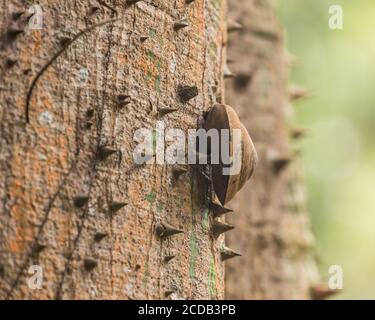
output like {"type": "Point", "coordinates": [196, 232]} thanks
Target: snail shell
{"type": "Point", "coordinates": [226, 186]}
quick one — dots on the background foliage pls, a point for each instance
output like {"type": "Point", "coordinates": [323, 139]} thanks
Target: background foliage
{"type": "Point", "coordinates": [339, 67]}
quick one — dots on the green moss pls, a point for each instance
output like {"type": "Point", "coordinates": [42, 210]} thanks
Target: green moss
{"type": "Point", "coordinates": [151, 197]}
{"type": "Point", "coordinates": [152, 32]}
{"type": "Point", "coordinates": [193, 248]}
{"type": "Point", "coordinates": [157, 84]}
{"type": "Point", "coordinates": [216, 3]}
{"type": "Point", "coordinates": [212, 279]}
{"type": "Point", "coordinates": [205, 221]}
{"type": "Point", "coordinates": [146, 275]}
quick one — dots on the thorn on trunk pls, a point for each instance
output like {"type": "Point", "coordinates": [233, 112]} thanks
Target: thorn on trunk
{"type": "Point", "coordinates": [242, 81]}
{"type": "Point", "coordinates": [219, 227]}
{"type": "Point", "coordinates": [321, 291]}
{"type": "Point", "coordinates": [90, 264]}
{"type": "Point", "coordinates": [297, 133]}
{"type": "Point", "coordinates": [218, 210]}
{"type": "Point", "coordinates": [227, 253]}
{"type": "Point", "coordinates": [227, 73]}
{"type": "Point", "coordinates": [11, 61]}
{"type": "Point", "coordinates": [39, 247]}
{"type": "Point", "coordinates": [90, 113]}
{"type": "Point", "coordinates": [64, 41]}
{"type": "Point", "coordinates": [164, 230]}
{"type": "Point", "coordinates": [122, 100]}
{"type": "Point", "coordinates": [178, 25]}
{"type": "Point", "coordinates": [131, 2]}
{"type": "Point", "coordinates": [143, 38]}
{"type": "Point", "coordinates": [93, 9]}
{"type": "Point", "coordinates": [17, 14]}
{"type": "Point", "coordinates": [233, 25]}
{"type": "Point", "coordinates": [187, 93]}
{"type": "Point", "coordinates": [298, 92]}
{"type": "Point", "coordinates": [99, 236]}
{"type": "Point", "coordinates": [168, 293]}
{"type": "Point", "coordinates": [116, 206]}
{"type": "Point", "coordinates": [278, 162]}
{"type": "Point", "coordinates": [168, 258]}
{"type": "Point", "coordinates": [165, 111]}
{"type": "Point", "coordinates": [13, 31]}
{"type": "Point", "coordinates": [26, 71]}
{"type": "Point", "coordinates": [105, 151]}
{"type": "Point", "coordinates": [80, 201]}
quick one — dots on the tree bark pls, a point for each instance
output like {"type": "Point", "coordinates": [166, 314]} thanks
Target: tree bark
{"type": "Point", "coordinates": [72, 95]}
{"type": "Point", "coordinates": [72, 200]}
{"type": "Point", "coordinates": [273, 227]}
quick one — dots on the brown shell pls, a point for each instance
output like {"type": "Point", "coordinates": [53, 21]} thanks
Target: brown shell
{"type": "Point", "coordinates": [224, 117]}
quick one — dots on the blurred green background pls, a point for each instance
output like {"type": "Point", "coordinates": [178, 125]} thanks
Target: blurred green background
{"type": "Point", "coordinates": [339, 153]}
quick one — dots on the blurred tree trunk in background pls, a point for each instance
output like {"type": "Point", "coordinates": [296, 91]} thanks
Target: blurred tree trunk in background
{"type": "Point", "coordinates": [72, 201]}
{"type": "Point", "coordinates": [273, 227]}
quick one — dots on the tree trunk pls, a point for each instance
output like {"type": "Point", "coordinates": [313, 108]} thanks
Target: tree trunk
{"type": "Point", "coordinates": [72, 201]}
{"type": "Point", "coordinates": [273, 227]}
{"type": "Point", "coordinates": [78, 219]}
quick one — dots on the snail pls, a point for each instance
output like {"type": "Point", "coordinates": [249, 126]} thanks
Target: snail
{"type": "Point", "coordinates": [241, 150]}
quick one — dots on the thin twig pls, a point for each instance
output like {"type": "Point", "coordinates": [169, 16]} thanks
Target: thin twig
{"type": "Point", "coordinates": [61, 51]}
